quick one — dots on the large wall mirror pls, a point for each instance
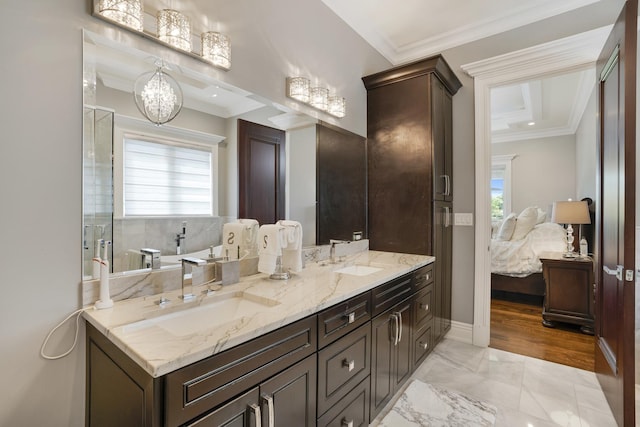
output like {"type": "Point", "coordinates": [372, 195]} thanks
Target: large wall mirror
{"type": "Point", "coordinates": [117, 139]}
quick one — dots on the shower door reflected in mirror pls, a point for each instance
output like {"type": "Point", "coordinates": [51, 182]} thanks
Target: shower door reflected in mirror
{"type": "Point", "coordinates": [97, 159]}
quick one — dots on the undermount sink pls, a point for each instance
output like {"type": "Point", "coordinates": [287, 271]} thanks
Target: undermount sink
{"type": "Point", "coordinates": [213, 311]}
{"type": "Point", "coordinates": [358, 270]}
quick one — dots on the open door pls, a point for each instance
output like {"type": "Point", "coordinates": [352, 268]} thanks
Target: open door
{"type": "Point", "coordinates": [615, 248]}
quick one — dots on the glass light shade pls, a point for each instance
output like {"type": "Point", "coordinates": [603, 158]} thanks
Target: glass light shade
{"type": "Point", "coordinates": [216, 48]}
{"type": "Point", "coordinates": [124, 12]}
{"type": "Point", "coordinates": [337, 106]}
{"type": "Point", "coordinates": [319, 98]}
{"type": "Point", "coordinates": [298, 88]}
{"type": "Point", "coordinates": [158, 96]}
{"type": "Point", "coordinates": [174, 28]}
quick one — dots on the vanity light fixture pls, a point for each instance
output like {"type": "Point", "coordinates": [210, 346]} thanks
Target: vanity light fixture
{"type": "Point", "coordinates": [337, 106]}
{"type": "Point", "coordinates": [123, 12]}
{"type": "Point", "coordinates": [158, 96]}
{"type": "Point", "coordinates": [216, 47]}
{"type": "Point", "coordinates": [174, 28]}
{"type": "Point", "coordinates": [299, 88]}
{"type": "Point", "coordinates": [319, 98]}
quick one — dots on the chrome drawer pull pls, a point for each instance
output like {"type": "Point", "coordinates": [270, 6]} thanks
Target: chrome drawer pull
{"type": "Point", "coordinates": [394, 317]}
{"type": "Point", "coordinates": [269, 401]}
{"type": "Point", "coordinates": [425, 307]}
{"type": "Point", "coordinates": [351, 317]}
{"type": "Point", "coordinates": [346, 423]}
{"type": "Point", "coordinates": [256, 413]}
{"type": "Point", "coordinates": [400, 326]}
{"type": "Point", "coordinates": [351, 364]}
{"type": "Point", "coordinates": [424, 345]}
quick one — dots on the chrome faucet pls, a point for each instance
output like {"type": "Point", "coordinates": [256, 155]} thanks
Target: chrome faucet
{"type": "Point", "coordinates": [187, 282]}
{"type": "Point", "coordinates": [151, 258]}
{"type": "Point", "coordinates": [332, 251]}
{"type": "Point", "coordinates": [181, 237]}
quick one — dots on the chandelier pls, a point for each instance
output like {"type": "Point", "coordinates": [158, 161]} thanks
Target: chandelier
{"type": "Point", "coordinates": [216, 48]}
{"type": "Point", "coordinates": [158, 96]}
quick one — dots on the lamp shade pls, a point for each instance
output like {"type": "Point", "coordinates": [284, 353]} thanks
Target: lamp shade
{"type": "Point", "coordinates": [570, 212]}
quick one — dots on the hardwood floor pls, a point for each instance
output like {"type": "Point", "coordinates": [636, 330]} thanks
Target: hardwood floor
{"type": "Point", "coordinates": [516, 326]}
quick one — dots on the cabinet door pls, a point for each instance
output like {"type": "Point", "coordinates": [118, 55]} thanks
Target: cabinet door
{"type": "Point", "coordinates": [442, 251]}
{"type": "Point", "coordinates": [240, 412]}
{"type": "Point", "coordinates": [390, 354]}
{"type": "Point", "coordinates": [289, 398]}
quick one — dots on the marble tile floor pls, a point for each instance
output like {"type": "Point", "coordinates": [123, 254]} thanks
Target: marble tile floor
{"type": "Point", "coordinates": [527, 392]}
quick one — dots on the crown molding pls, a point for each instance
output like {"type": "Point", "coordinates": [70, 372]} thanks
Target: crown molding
{"type": "Point", "coordinates": [575, 52]}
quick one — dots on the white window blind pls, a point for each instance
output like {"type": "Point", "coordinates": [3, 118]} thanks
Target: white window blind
{"type": "Point", "coordinates": [164, 179]}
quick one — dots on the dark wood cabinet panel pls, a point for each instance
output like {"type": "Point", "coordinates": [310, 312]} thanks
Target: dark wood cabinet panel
{"type": "Point", "coordinates": [240, 412]}
{"type": "Point", "coordinates": [422, 277]}
{"type": "Point", "coordinates": [342, 365]}
{"type": "Point", "coordinates": [119, 392]}
{"type": "Point", "coordinates": [385, 296]}
{"type": "Point", "coordinates": [409, 130]}
{"type": "Point", "coordinates": [423, 307]}
{"type": "Point", "coordinates": [569, 292]}
{"type": "Point", "coordinates": [352, 410]}
{"type": "Point", "coordinates": [341, 184]}
{"type": "Point", "coordinates": [293, 393]}
{"type": "Point", "coordinates": [343, 318]}
{"type": "Point", "coordinates": [196, 388]}
{"type": "Point", "coordinates": [422, 343]}
{"type": "Point", "coordinates": [443, 239]}
{"type": "Point", "coordinates": [390, 354]}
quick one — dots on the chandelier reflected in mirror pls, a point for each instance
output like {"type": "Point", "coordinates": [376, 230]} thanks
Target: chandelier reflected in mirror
{"type": "Point", "coordinates": [158, 96]}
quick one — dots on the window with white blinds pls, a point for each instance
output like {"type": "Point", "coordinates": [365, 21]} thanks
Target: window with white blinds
{"type": "Point", "coordinates": [165, 179]}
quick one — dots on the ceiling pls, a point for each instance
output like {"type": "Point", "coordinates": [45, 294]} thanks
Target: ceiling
{"type": "Point", "coordinates": [418, 29]}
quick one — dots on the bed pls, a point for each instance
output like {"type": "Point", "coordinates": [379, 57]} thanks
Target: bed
{"type": "Point", "coordinates": [515, 261]}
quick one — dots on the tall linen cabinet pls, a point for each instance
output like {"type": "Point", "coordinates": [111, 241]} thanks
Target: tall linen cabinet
{"type": "Point", "coordinates": [410, 185]}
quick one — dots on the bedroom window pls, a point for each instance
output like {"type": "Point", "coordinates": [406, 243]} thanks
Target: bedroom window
{"type": "Point", "coordinates": [501, 186]}
{"type": "Point", "coordinates": [166, 178]}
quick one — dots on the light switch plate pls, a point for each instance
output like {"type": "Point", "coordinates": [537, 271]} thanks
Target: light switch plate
{"type": "Point", "coordinates": [463, 219]}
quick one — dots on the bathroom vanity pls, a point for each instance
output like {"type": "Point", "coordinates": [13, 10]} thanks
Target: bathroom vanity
{"type": "Point", "coordinates": [331, 346]}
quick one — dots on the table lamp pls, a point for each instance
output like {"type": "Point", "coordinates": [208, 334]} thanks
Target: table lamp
{"type": "Point", "coordinates": [569, 213]}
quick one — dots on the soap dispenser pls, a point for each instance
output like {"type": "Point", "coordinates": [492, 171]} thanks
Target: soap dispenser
{"type": "Point", "coordinates": [105, 300]}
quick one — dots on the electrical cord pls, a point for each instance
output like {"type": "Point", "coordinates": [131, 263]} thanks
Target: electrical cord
{"type": "Point", "coordinates": [75, 339]}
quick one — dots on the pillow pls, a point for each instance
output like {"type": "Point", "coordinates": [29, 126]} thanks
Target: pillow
{"type": "Point", "coordinates": [542, 216]}
{"type": "Point", "coordinates": [508, 226]}
{"type": "Point", "coordinates": [525, 223]}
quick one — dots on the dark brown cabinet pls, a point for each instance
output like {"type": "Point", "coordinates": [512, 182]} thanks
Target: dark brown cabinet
{"type": "Point", "coordinates": [442, 240]}
{"type": "Point", "coordinates": [338, 367]}
{"type": "Point", "coordinates": [569, 291]}
{"type": "Point", "coordinates": [410, 168]}
{"type": "Point", "coordinates": [390, 354]}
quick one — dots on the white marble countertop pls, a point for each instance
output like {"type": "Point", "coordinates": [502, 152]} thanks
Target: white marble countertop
{"type": "Point", "coordinates": [163, 339]}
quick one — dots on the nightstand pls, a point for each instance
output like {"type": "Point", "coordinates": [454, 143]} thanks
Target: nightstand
{"type": "Point", "coordinates": [569, 291]}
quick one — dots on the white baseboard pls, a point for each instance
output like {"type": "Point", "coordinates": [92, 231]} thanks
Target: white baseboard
{"type": "Point", "coordinates": [462, 332]}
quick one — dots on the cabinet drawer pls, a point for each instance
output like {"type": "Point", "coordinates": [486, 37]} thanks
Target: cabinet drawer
{"type": "Point", "coordinates": [194, 389]}
{"type": "Point", "coordinates": [342, 365]}
{"type": "Point", "coordinates": [422, 277]}
{"type": "Point", "coordinates": [423, 343]}
{"type": "Point", "coordinates": [392, 292]}
{"type": "Point", "coordinates": [343, 318]}
{"type": "Point", "coordinates": [352, 410]}
{"type": "Point", "coordinates": [423, 306]}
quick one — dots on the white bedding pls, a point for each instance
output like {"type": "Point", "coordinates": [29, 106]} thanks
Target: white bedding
{"type": "Point", "coordinates": [520, 258]}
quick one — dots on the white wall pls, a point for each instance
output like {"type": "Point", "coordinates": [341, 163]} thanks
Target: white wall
{"type": "Point", "coordinates": [41, 159]}
{"type": "Point", "coordinates": [586, 151]}
{"type": "Point", "coordinates": [543, 171]}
